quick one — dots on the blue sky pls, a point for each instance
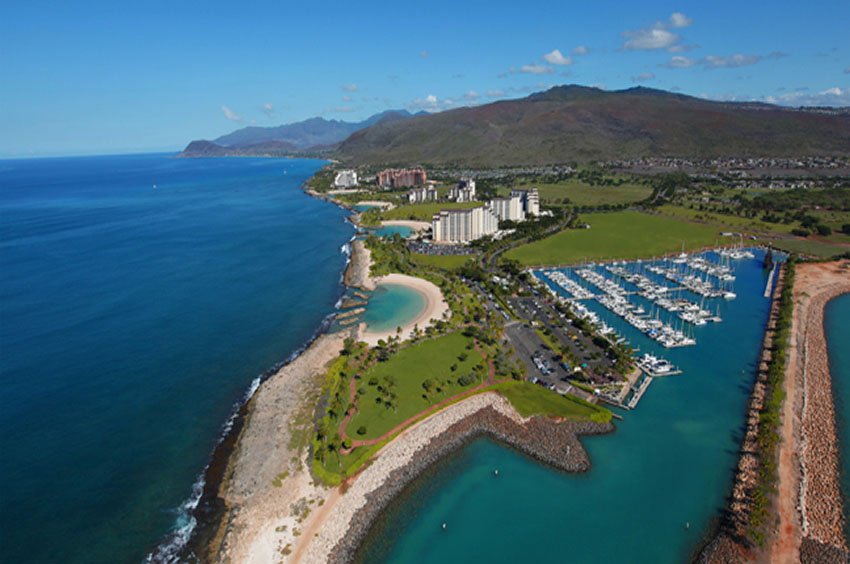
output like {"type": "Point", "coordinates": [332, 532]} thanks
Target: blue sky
{"type": "Point", "coordinates": [104, 77]}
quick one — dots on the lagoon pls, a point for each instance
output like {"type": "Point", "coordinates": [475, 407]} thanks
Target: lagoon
{"type": "Point", "coordinates": [391, 306]}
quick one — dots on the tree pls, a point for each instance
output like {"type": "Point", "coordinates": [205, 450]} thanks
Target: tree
{"type": "Point", "coordinates": [823, 230]}
{"type": "Point", "coordinates": [361, 430]}
{"type": "Point", "coordinates": [846, 228]}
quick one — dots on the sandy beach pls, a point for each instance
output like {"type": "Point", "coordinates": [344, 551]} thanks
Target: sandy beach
{"type": "Point", "coordinates": [810, 503]}
{"type": "Point", "coordinates": [417, 226]}
{"type": "Point", "coordinates": [435, 307]}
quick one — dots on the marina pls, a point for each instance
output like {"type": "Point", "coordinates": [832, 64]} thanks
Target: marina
{"type": "Point", "coordinates": [666, 301]}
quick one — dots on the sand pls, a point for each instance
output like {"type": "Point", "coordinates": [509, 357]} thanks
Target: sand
{"type": "Point", "coordinates": [809, 500]}
{"type": "Point", "coordinates": [415, 225]}
{"type": "Point", "coordinates": [435, 308]}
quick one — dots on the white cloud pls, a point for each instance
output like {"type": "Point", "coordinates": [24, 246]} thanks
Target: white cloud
{"type": "Point", "coordinates": [429, 103]}
{"type": "Point", "coordinates": [268, 109]}
{"type": "Point", "coordinates": [737, 60]}
{"type": "Point", "coordinates": [346, 98]}
{"type": "Point", "coordinates": [658, 35]}
{"type": "Point", "coordinates": [580, 50]}
{"type": "Point", "coordinates": [340, 110]}
{"type": "Point", "coordinates": [424, 54]}
{"type": "Point", "coordinates": [847, 70]}
{"type": "Point", "coordinates": [678, 20]}
{"type": "Point", "coordinates": [679, 62]}
{"type": "Point", "coordinates": [649, 39]}
{"type": "Point", "coordinates": [230, 114]}
{"type": "Point", "coordinates": [471, 96]}
{"type": "Point", "coordinates": [534, 68]}
{"type": "Point", "coordinates": [495, 93]}
{"type": "Point", "coordinates": [350, 87]}
{"type": "Point", "coordinates": [555, 57]}
{"type": "Point", "coordinates": [643, 77]}
{"type": "Point", "coordinates": [834, 96]}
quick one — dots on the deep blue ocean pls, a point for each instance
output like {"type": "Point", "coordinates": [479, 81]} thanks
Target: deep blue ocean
{"type": "Point", "coordinates": [133, 319]}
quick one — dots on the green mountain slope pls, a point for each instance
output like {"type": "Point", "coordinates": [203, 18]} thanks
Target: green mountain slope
{"type": "Point", "coordinates": [575, 123]}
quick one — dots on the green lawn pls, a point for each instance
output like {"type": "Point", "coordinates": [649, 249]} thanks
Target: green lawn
{"type": "Point", "coordinates": [530, 399]}
{"type": "Point", "coordinates": [409, 369]}
{"type": "Point", "coordinates": [726, 222]}
{"type": "Point", "coordinates": [446, 262]}
{"type": "Point", "coordinates": [809, 247]}
{"type": "Point", "coordinates": [583, 194]}
{"type": "Point", "coordinates": [621, 235]}
{"type": "Point", "coordinates": [424, 212]}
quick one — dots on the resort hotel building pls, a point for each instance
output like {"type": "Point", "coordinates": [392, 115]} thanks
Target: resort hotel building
{"type": "Point", "coordinates": [345, 179]}
{"type": "Point", "coordinates": [530, 200]}
{"type": "Point", "coordinates": [463, 226]}
{"type": "Point", "coordinates": [422, 194]}
{"type": "Point", "coordinates": [402, 177]}
{"type": "Point", "coordinates": [463, 192]}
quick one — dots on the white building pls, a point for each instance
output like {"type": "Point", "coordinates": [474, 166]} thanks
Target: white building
{"type": "Point", "coordinates": [463, 226]}
{"type": "Point", "coordinates": [345, 179]}
{"type": "Point", "coordinates": [507, 209]}
{"type": "Point", "coordinates": [530, 200]}
{"type": "Point", "coordinates": [464, 191]}
{"type": "Point", "coordinates": [424, 194]}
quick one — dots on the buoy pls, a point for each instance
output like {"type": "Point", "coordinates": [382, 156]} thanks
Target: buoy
{"type": "Point", "coordinates": [496, 472]}
{"type": "Point", "coordinates": [688, 525]}
{"type": "Point", "coordinates": [444, 526]}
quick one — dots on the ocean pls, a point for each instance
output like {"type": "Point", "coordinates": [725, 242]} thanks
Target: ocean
{"type": "Point", "coordinates": [657, 484]}
{"type": "Point", "coordinates": [141, 297]}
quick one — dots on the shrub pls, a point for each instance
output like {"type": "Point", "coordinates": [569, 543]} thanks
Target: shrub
{"type": "Point", "coordinates": [361, 430]}
{"type": "Point", "coordinates": [800, 232]}
{"type": "Point", "coordinates": [823, 230]}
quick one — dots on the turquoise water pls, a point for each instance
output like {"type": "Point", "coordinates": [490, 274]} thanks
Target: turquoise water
{"type": "Point", "coordinates": [669, 464]}
{"type": "Point", "coordinates": [133, 319]}
{"type": "Point", "coordinates": [837, 325]}
{"type": "Point", "coordinates": [391, 306]}
{"type": "Point", "coordinates": [390, 230]}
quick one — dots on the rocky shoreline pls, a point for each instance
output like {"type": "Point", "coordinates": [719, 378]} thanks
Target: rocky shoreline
{"type": "Point", "coordinates": [822, 517]}
{"type": "Point", "coordinates": [730, 541]}
{"type": "Point", "coordinates": [552, 442]}
{"type": "Point", "coordinates": [809, 521]}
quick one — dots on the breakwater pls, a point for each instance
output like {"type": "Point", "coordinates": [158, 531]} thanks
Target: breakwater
{"type": "Point", "coordinates": [549, 441]}
{"type": "Point", "coordinates": [822, 519]}
{"type": "Point", "coordinates": [732, 541]}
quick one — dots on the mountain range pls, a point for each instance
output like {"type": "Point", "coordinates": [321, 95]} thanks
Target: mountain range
{"type": "Point", "coordinates": [563, 124]}
{"type": "Point", "coordinates": [314, 135]}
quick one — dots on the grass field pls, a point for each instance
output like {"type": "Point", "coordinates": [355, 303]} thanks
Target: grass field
{"type": "Point", "coordinates": [809, 247]}
{"type": "Point", "coordinates": [621, 235]}
{"type": "Point", "coordinates": [530, 399]}
{"type": "Point", "coordinates": [583, 194]}
{"type": "Point", "coordinates": [726, 222]}
{"type": "Point", "coordinates": [424, 212]}
{"type": "Point", "coordinates": [404, 375]}
{"type": "Point", "coordinates": [445, 262]}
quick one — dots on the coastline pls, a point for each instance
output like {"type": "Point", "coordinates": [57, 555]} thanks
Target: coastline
{"type": "Point", "coordinates": [814, 477]}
